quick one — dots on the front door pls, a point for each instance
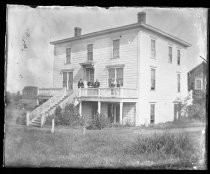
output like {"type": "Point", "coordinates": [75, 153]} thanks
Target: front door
{"type": "Point", "coordinates": [114, 112]}
{"type": "Point", "coordinates": [70, 81]}
{"type": "Point", "coordinates": [89, 74]}
{"type": "Point", "coordinates": [64, 79]}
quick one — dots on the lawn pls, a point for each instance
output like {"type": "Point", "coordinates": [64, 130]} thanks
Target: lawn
{"type": "Point", "coordinates": [113, 148]}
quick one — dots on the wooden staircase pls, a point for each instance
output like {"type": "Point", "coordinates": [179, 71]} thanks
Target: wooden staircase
{"type": "Point", "coordinates": [38, 116]}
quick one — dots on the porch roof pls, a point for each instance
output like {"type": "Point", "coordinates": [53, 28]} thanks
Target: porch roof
{"type": "Point", "coordinates": [87, 64]}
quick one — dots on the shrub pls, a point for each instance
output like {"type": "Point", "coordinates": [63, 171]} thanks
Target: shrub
{"type": "Point", "coordinates": [21, 119]}
{"type": "Point", "coordinates": [197, 111]}
{"type": "Point", "coordinates": [69, 116]}
{"type": "Point", "coordinates": [99, 121]}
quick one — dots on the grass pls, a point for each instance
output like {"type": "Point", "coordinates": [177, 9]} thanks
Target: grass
{"type": "Point", "coordinates": [118, 148]}
{"type": "Point", "coordinates": [184, 123]}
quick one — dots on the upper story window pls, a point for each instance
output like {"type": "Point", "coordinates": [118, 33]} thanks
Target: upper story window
{"type": "Point", "coordinates": [115, 77]}
{"type": "Point", "coordinates": [198, 84]}
{"type": "Point", "coordinates": [116, 48]}
{"type": "Point", "coordinates": [178, 57]}
{"type": "Point", "coordinates": [153, 49]}
{"type": "Point", "coordinates": [152, 113]}
{"type": "Point", "coordinates": [153, 79]}
{"type": "Point", "coordinates": [90, 51]}
{"type": "Point", "coordinates": [68, 55]}
{"type": "Point", "coordinates": [170, 54]}
{"type": "Point", "coordinates": [178, 83]}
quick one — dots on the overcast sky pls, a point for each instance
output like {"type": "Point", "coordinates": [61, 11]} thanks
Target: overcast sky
{"type": "Point", "coordinates": [29, 31]}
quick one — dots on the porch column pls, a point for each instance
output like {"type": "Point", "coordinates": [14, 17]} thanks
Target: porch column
{"type": "Point", "coordinates": [136, 114]}
{"type": "Point", "coordinates": [80, 108]}
{"type": "Point", "coordinates": [99, 107]}
{"type": "Point", "coordinates": [121, 112]}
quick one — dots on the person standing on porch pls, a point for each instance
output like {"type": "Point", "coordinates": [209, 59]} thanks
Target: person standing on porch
{"type": "Point", "coordinates": [96, 84]}
{"type": "Point", "coordinates": [80, 84]}
{"type": "Point", "coordinates": [90, 84]}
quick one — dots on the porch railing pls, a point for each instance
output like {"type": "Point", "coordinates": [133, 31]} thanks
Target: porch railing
{"type": "Point", "coordinates": [108, 92]}
{"type": "Point", "coordinates": [48, 91]}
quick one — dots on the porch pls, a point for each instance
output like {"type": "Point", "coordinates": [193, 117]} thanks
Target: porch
{"type": "Point", "coordinates": [116, 112]}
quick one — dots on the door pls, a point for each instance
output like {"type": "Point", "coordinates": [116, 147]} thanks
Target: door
{"type": "Point", "coordinates": [90, 74]}
{"type": "Point", "coordinates": [64, 79]}
{"type": "Point", "coordinates": [114, 113]}
{"type": "Point", "coordinates": [70, 80]}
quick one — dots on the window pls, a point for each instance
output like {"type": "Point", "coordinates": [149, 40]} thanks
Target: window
{"type": "Point", "coordinates": [119, 78]}
{"type": "Point", "coordinates": [198, 84]}
{"type": "Point", "coordinates": [178, 57]}
{"type": "Point", "coordinates": [170, 54]}
{"type": "Point", "coordinates": [68, 55]}
{"type": "Point", "coordinates": [152, 79]}
{"type": "Point", "coordinates": [153, 51]}
{"type": "Point", "coordinates": [90, 51]}
{"type": "Point", "coordinates": [152, 113]}
{"type": "Point", "coordinates": [116, 74]}
{"type": "Point", "coordinates": [116, 47]}
{"type": "Point", "coordinates": [178, 82]}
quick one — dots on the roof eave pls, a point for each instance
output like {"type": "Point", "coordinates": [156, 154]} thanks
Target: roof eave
{"type": "Point", "coordinates": [124, 28]}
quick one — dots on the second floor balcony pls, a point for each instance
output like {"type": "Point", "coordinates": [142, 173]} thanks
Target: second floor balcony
{"type": "Point", "coordinates": [109, 93]}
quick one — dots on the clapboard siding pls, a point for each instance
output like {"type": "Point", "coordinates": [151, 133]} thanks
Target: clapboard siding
{"type": "Point", "coordinates": [166, 78]}
{"type": "Point", "coordinates": [102, 56]}
{"type": "Point", "coordinates": [129, 113]}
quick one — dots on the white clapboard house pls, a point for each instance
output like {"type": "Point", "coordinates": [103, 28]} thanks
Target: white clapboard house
{"type": "Point", "coordinates": [148, 65]}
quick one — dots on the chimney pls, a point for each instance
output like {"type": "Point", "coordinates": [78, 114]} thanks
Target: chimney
{"type": "Point", "coordinates": [141, 17]}
{"type": "Point", "coordinates": [77, 31]}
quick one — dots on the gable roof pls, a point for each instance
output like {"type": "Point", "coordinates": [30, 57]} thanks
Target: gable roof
{"type": "Point", "coordinates": [126, 27]}
{"type": "Point", "coordinates": [202, 66]}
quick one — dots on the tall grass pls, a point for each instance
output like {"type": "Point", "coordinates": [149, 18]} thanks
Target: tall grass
{"type": "Point", "coordinates": [97, 148]}
{"type": "Point", "coordinates": [179, 145]}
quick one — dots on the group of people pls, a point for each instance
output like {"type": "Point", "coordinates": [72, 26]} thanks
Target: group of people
{"type": "Point", "coordinates": [90, 84]}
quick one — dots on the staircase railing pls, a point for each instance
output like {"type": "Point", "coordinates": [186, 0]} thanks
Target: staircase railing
{"type": "Point", "coordinates": [40, 109]}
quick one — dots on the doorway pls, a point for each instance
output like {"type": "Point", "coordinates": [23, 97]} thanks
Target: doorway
{"type": "Point", "coordinates": [68, 80]}
{"type": "Point", "coordinates": [90, 74]}
{"type": "Point", "coordinates": [114, 112]}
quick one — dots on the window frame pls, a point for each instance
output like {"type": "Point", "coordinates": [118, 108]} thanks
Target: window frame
{"type": "Point", "coordinates": [198, 79]}
{"type": "Point", "coordinates": [90, 52]}
{"type": "Point", "coordinates": [178, 82]}
{"type": "Point", "coordinates": [115, 76]}
{"type": "Point", "coordinates": [153, 56]}
{"type": "Point", "coordinates": [153, 80]}
{"type": "Point", "coordinates": [178, 57]}
{"type": "Point", "coordinates": [114, 49]}
{"type": "Point", "coordinates": [152, 114]}
{"type": "Point", "coordinates": [170, 56]}
{"type": "Point", "coordinates": [68, 56]}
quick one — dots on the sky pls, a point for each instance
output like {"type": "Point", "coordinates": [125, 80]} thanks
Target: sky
{"type": "Point", "coordinates": [30, 31]}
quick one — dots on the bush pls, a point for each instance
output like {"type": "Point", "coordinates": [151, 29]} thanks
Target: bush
{"type": "Point", "coordinates": [99, 121]}
{"type": "Point", "coordinates": [21, 119]}
{"type": "Point", "coordinates": [68, 117]}
{"type": "Point", "coordinates": [197, 111]}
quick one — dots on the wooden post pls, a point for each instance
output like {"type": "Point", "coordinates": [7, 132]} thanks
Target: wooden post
{"type": "Point", "coordinates": [99, 107]}
{"type": "Point", "coordinates": [42, 120]}
{"type": "Point", "coordinates": [121, 112]}
{"type": "Point", "coordinates": [27, 119]}
{"type": "Point", "coordinates": [80, 108]}
{"type": "Point", "coordinates": [53, 126]}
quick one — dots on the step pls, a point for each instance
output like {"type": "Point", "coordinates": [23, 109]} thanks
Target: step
{"type": "Point", "coordinates": [36, 122]}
